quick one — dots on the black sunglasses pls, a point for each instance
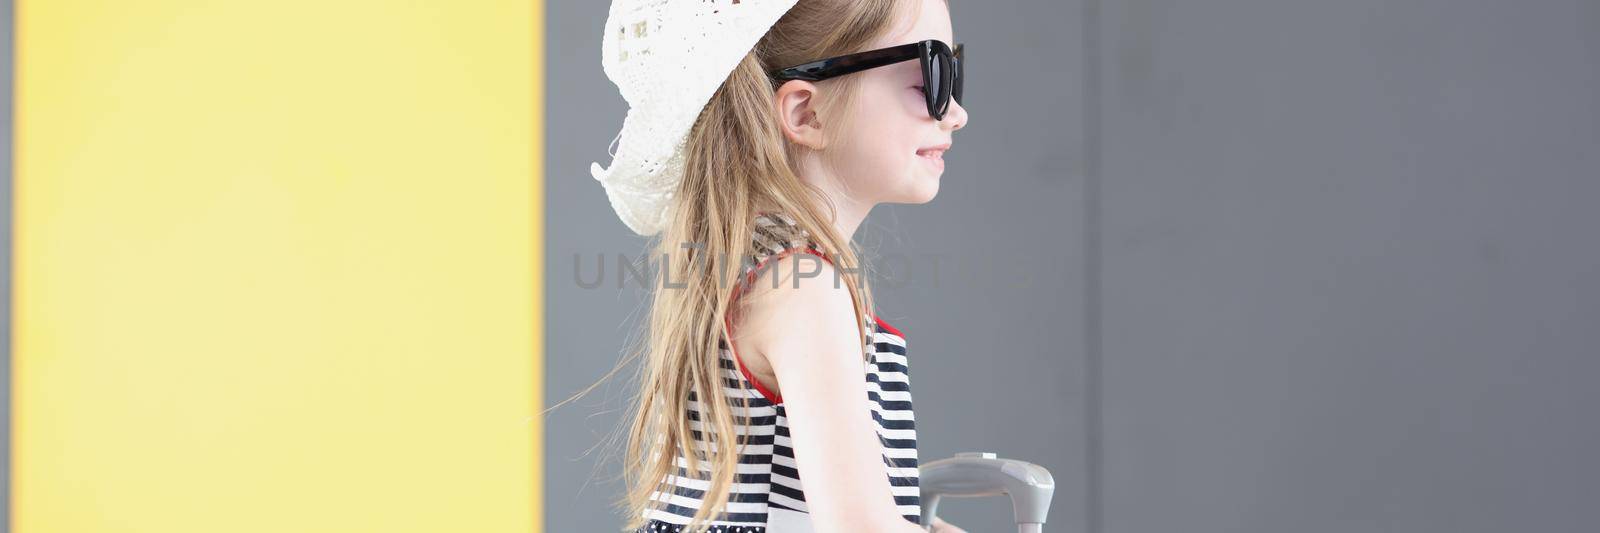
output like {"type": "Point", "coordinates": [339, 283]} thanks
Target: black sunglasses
{"type": "Point", "coordinates": [941, 69]}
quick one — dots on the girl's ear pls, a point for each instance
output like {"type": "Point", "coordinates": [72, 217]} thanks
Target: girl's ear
{"type": "Point", "coordinates": [797, 115]}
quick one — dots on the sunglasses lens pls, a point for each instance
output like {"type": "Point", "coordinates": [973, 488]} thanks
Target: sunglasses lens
{"type": "Point", "coordinates": [955, 84]}
{"type": "Point", "coordinates": [941, 72]}
{"type": "Point", "coordinates": [945, 74]}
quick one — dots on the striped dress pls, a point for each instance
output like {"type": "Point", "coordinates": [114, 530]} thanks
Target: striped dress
{"type": "Point", "coordinates": [766, 496]}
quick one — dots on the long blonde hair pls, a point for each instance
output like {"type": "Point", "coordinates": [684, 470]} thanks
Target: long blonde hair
{"type": "Point", "coordinates": [737, 164]}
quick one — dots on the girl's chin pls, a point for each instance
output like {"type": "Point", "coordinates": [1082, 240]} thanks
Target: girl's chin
{"type": "Point", "coordinates": [923, 190]}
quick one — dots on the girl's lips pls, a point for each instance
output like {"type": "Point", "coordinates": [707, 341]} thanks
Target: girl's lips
{"type": "Point", "coordinates": [934, 157]}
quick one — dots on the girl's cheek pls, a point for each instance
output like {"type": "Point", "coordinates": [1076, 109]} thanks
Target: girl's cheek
{"type": "Point", "coordinates": [914, 101]}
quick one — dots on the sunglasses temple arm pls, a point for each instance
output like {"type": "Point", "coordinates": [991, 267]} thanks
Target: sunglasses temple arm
{"type": "Point", "coordinates": [849, 64]}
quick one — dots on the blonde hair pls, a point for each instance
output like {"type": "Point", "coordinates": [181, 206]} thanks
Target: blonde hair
{"type": "Point", "coordinates": [737, 164]}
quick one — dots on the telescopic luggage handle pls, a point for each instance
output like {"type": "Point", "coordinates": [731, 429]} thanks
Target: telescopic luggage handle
{"type": "Point", "coordinates": [976, 474]}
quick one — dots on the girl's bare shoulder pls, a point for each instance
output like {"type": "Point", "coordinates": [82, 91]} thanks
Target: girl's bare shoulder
{"type": "Point", "coordinates": [793, 306]}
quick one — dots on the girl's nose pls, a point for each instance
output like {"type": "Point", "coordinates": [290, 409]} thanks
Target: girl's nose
{"type": "Point", "coordinates": [955, 115]}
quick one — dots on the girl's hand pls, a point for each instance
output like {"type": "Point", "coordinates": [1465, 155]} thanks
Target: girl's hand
{"type": "Point", "coordinates": [941, 526]}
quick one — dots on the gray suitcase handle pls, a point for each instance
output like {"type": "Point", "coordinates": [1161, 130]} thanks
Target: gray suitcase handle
{"type": "Point", "coordinates": [975, 474]}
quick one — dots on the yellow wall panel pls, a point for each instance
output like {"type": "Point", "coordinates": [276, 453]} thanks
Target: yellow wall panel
{"type": "Point", "coordinates": [277, 266]}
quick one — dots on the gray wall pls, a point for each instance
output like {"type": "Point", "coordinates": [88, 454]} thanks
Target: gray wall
{"type": "Point", "coordinates": [7, 83]}
{"type": "Point", "coordinates": [1350, 265]}
{"type": "Point", "coordinates": [1233, 266]}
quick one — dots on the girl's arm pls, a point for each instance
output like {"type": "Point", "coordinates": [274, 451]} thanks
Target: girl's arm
{"type": "Point", "coordinates": [808, 337]}
{"type": "Point", "coordinates": [940, 526]}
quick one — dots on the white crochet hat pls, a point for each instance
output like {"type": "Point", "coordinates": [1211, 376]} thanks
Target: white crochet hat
{"type": "Point", "coordinates": [668, 57]}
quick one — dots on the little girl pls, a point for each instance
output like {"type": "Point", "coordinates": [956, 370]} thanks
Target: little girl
{"type": "Point", "coordinates": [761, 133]}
